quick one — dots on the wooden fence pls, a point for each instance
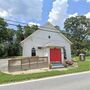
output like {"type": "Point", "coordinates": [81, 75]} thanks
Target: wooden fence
{"type": "Point", "coordinates": [27, 63]}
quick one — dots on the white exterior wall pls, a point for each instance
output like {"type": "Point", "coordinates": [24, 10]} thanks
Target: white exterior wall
{"type": "Point", "coordinates": [68, 52]}
{"type": "Point", "coordinates": [40, 38]}
{"type": "Point", "coordinates": [62, 53]}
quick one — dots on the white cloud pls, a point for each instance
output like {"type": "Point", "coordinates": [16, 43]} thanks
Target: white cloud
{"type": "Point", "coordinates": [87, 0]}
{"type": "Point", "coordinates": [73, 15]}
{"type": "Point", "coordinates": [33, 23]}
{"type": "Point", "coordinates": [87, 15]}
{"type": "Point", "coordinates": [3, 13]}
{"type": "Point", "coordinates": [58, 12]}
{"type": "Point", "coordinates": [31, 9]}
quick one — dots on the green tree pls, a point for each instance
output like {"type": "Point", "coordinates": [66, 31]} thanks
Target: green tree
{"type": "Point", "coordinates": [28, 30]}
{"type": "Point", "coordinates": [57, 27]}
{"type": "Point", "coordinates": [76, 29]}
{"type": "Point", "coordinates": [6, 42]}
{"type": "Point", "coordinates": [19, 33]}
{"type": "Point", "coordinates": [14, 49]}
{"type": "Point", "coordinates": [10, 34]}
{"type": "Point", "coordinates": [3, 30]}
{"type": "Point", "coordinates": [34, 27]}
{"type": "Point", "coordinates": [10, 39]}
{"type": "Point", "coordinates": [7, 45]}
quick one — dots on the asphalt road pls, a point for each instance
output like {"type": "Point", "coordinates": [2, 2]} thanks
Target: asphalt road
{"type": "Point", "coordinates": [71, 82]}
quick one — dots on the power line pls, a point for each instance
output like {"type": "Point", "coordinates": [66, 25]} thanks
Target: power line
{"type": "Point", "coordinates": [39, 28]}
{"type": "Point", "coordinates": [15, 21]}
{"type": "Point", "coordinates": [14, 24]}
{"type": "Point", "coordinates": [26, 24]}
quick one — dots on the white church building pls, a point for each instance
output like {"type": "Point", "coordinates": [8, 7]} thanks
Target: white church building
{"type": "Point", "coordinates": [49, 42]}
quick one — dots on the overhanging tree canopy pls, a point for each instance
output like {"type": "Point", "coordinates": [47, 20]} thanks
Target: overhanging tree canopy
{"type": "Point", "coordinates": [76, 29]}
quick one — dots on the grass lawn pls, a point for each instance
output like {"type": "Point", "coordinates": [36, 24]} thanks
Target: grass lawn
{"type": "Point", "coordinates": [83, 66]}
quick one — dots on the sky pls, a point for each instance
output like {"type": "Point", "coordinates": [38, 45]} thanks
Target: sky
{"type": "Point", "coordinates": [41, 11]}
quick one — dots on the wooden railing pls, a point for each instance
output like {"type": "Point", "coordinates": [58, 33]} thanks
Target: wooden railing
{"type": "Point", "coordinates": [26, 63]}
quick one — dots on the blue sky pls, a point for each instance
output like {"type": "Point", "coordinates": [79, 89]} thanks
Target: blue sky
{"type": "Point", "coordinates": [41, 11]}
{"type": "Point", "coordinates": [81, 6]}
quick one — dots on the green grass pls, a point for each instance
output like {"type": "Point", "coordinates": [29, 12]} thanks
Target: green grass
{"type": "Point", "coordinates": [88, 58]}
{"type": "Point", "coordinates": [77, 58]}
{"type": "Point", "coordinates": [83, 66]}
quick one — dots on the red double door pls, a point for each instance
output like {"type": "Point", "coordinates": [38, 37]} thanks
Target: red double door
{"type": "Point", "coordinates": [55, 54]}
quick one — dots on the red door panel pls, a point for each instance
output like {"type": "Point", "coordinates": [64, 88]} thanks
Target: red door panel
{"type": "Point", "coordinates": [55, 54]}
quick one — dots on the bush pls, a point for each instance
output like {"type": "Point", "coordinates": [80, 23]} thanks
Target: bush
{"type": "Point", "coordinates": [69, 62]}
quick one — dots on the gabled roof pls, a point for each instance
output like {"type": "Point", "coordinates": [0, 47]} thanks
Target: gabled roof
{"type": "Point", "coordinates": [48, 25]}
{"type": "Point", "coordinates": [50, 28]}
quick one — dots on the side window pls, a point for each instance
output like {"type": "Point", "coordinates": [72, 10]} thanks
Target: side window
{"type": "Point", "coordinates": [33, 52]}
{"type": "Point", "coordinates": [65, 56]}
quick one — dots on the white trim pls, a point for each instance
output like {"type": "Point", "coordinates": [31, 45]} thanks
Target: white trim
{"type": "Point", "coordinates": [29, 36]}
{"type": "Point", "coordinates": [45, 29]}
{"type": "Point", "coordinates": [62, 53]}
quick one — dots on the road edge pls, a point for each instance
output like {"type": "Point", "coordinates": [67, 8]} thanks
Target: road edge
{"type": "Point", "coordinates": [46, 78]}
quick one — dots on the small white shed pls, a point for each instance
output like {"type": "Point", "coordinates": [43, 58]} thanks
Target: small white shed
{"type": "Point", "coordinates": [47, 41]}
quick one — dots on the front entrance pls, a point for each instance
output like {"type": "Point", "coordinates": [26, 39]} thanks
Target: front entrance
{"type": "Point", "coordinates": [55, 55]}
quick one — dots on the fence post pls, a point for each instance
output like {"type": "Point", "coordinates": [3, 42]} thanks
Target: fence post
{"type": "Point", "coordinates": [8, 65]}
{"type": "Point", "coordinates": [37, 62]}
{"type": "Point", "coordinates": [29, 61]}
{"type": "Point", "coordinates": [21, 64]}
